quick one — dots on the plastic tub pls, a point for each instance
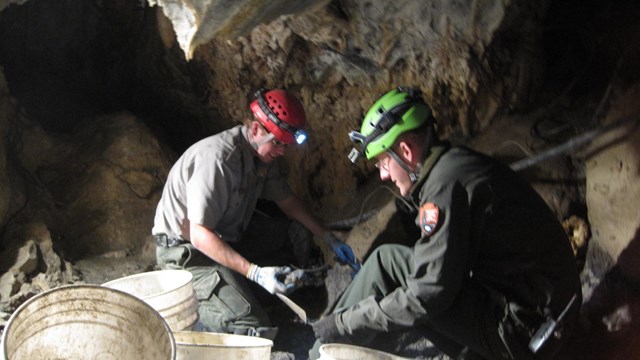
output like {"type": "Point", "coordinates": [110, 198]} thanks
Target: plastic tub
{"type": "Point", "coordinates": [170, 292]}
{"type": "Point", "coordinates": [86, 322]}
{"type": "Point", "coordinates": [352, 352]}
{"type": "Point", "coordinates": [191, 345]}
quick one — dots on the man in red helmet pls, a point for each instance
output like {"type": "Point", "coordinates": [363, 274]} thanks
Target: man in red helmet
{"type": "Point", "coordinates": [205, 221]}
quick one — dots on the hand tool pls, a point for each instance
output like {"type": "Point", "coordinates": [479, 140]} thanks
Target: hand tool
{"type": "Point", "coordinates": [297, 309]}
{"type": "Point", "coordinates": [547, 328]}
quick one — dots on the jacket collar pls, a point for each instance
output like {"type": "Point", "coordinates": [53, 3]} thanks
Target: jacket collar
{"type": "Point", "coordinates": [435, 153]}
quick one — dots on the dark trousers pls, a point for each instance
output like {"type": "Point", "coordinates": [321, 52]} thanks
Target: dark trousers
{"type": "Point", "coordinates": [474, 326]}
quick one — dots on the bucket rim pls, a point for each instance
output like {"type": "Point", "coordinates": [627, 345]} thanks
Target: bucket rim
{"type": "Point", "coordinates": [389, 356]}
{"type": "Point", "coordinates": [267, 342]}
{"type": "Point", "coordinates": [188, 281]}
{"type": "Point", "coordinates": [45, 293]}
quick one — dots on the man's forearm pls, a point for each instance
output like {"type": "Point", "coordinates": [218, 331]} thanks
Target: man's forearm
{"type": "Point", "coordinates": [294, 209]}
{"type": "Point", "coordinates": [209, 243]}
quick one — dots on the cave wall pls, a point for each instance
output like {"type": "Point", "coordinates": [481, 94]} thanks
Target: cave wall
{"type": "Point", "coordinates": [471, 60]}
{"type": "Point", "coordinates": [482, 65]}
{"type": "Point", "coordinates": [612, 187]}
{"type": "Point", "coordinates": [6, 111]}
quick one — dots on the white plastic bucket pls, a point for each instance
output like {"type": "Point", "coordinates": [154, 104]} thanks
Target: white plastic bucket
{"type": "Point", "coordinates": [170, 292]}
{"type": "Point", "coordinates": [352, 352]}
{"type": "Point", "coordinates": [191, 345]}
{"type": "Point", "coordinates": [86, 322]}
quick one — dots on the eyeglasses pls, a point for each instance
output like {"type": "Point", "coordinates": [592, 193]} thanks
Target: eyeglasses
{"type": "Point", "coordinates": [277, 142]}
{"type": "Point", "coordinates": [274, 141]}
{"type": "Point", "coordinates": [383, 164]}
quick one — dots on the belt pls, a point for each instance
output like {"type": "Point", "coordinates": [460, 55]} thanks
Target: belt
{"type": "Point", "coordinates": [165, 241]}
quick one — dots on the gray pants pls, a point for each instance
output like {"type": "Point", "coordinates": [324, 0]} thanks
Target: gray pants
{"type": "Point", "coordinates": [227, 301]}
{"type": "Point", "coordinates": [227, 304]}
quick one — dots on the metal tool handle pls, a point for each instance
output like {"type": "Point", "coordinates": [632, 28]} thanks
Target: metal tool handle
{"type": "Point", "coordinates": [546, 329]}
{"type": "Point", "coordinates": [542, 335]}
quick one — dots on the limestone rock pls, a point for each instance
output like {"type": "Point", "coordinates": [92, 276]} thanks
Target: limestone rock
{"type": "Point", "coordinates": [27, 258]}
{"type": "Point", "coordinates": [5, 3]}
{"type": "Point", "coordinates": [10, 283]}
{"type": "Point", "coordinates": [35, 266]}
{"type": "Point", "coordinates": [6, 111]}
{"type": "Point", "coordinates": [613, 186]}
{"type": "Point", "coordinates": [108, 186]}
{"type": "Point", "coordinates": [50, 260]}
{"type": "Point", "coordinates": [578, 231]}
{"type": "Point", "coordinates": [197, 22]}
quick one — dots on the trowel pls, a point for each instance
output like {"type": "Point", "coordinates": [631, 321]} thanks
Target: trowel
{"type": "Point", "coordinates": [296, 308]}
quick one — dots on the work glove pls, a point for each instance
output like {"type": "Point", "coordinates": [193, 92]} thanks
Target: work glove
{"type": "Point", "coordinates": [326, 329]}
{"type": "Point", "coordinates": [267, 277]}
{"type": "Point", "coordinates": [342, 250]}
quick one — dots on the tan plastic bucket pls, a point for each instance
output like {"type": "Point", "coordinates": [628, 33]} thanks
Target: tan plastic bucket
{"type": "Point", "coordinates": [170, 292]}
{"type": "Point", "coordinates": [86, 322]}
{"type": "Point", "coordinates": [193, 345]}
{"type": "Point", "coordinates": [352, 352]}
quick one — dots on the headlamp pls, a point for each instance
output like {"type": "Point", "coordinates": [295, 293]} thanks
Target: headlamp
{"type": "Point", "coordinates": [356, 137]}
{"type": "Point", "coordinates": [300, 136]}
{"type": "Point", "coordinates": [363, 140]}
{"type": "Point", "coordinates": [354, 155]}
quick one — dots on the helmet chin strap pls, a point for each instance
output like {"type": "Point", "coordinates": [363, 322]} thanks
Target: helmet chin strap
{"type": "Point", "coordinates": [413, 176]}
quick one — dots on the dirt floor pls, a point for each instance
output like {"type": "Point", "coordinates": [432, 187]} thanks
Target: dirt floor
{"type": "Point", "coordinates": [294, 339]}
{"type": "Point", "coordinates": [608, 329]}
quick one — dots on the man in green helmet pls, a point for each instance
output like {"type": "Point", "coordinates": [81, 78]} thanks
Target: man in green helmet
{"type": "Point", "coordinates": [492, 275]}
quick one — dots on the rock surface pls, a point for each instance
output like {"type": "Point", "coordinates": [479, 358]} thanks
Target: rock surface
{"type": "Point", "coordinates": [98, 100]}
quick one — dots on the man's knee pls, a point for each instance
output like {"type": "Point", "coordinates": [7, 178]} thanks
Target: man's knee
{"type": "Point", "coordinates": [389, 255]}
{"type": "Point", "coordinates": [224, 304]}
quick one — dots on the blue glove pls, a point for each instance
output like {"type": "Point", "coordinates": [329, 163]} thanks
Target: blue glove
{"type": "Point", "coordinates": [342, 250]}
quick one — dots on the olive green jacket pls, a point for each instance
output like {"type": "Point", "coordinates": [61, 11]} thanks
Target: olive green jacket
{"type": "Point", "coordinates": [480, 222]}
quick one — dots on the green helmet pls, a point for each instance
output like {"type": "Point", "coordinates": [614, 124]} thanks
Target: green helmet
{"type": "Point", "coordinates": [400, 110]}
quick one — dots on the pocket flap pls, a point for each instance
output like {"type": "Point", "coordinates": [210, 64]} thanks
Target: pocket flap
{"type": "Point", "coordinates": [205, 281]}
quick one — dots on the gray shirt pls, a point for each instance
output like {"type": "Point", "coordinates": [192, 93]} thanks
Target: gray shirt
{"type": "Point", "coordinates": [216, 183]}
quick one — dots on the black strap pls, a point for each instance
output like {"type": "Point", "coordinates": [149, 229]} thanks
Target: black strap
{"type": "Point", "coordinates": [165, 241]}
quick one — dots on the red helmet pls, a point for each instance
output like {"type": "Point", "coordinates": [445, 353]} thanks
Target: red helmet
{"type": "Point", "coordinates": [281, 113]}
